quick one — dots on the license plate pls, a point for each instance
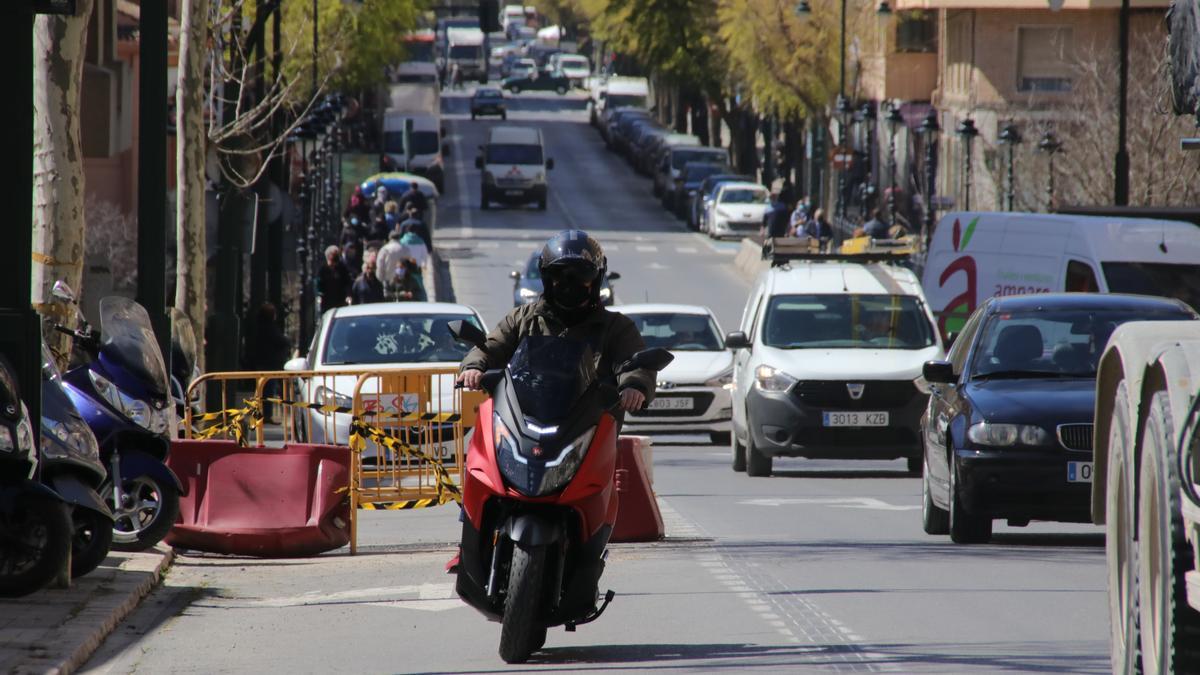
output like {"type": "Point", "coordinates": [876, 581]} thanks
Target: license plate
{"type": "Point", "coordinates": [854, 419]}
{"type": "Point", "coordinates": [671, 403]}
{"type": "Point", "coordinates": [514, 193]}
{"type": "Point", "coordinates": [1079, 472]}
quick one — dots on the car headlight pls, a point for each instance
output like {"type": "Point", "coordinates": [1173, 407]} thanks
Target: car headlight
{"type": "Point", "coordinates": [722, 214]}
{"type": "Point", "coordinates": [1003, 435]}
{"type": "Point", "coordinates": [722, 379]}
{"type": "Point", "coordinates": [138, 411]}
{"type": "Point", "coordinates": [767, 378]}
{"type": "Point", "coordinates": [328, 397]}
{"type": "Point", "coordinates": [539, 177]}
{"type": "Point", "coordinates": [606, 293]}
{"type": "Point", "coordinates": [527, 294]}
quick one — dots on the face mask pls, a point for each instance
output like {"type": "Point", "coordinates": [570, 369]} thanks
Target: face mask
{"type": "Point", "coordinates": [571, 294]}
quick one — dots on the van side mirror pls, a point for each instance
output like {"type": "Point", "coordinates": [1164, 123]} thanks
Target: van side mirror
{"type": "Point", "coordinates": [479, 162]}
{"type": "Point", "coordinates": [737, 340]}
{"type": "Point", "coordinates": [651, 359]}
{"type": "Point", "coordinates": [549, 163]}
{"type": "Point", "coordinates": [514, 275]}
{"type": "Point", "coordinates": [938, 372]}
{"type": "Point", "coordinates": [298, 363]}
{"type": "Point", "coordinates": [613, 276]}
{"type": "Point", "coordinates": [468, 332]}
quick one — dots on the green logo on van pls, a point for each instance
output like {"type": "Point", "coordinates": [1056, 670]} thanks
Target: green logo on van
{"type": "Point", "coordinates": [959, 238]}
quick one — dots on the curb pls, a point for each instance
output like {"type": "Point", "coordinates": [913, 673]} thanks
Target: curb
{"type": "Point", "coordinates": [61, 629]}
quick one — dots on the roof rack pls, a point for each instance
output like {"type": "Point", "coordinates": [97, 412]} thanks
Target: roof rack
{"type": "Point", "coordinates": [783, 251]}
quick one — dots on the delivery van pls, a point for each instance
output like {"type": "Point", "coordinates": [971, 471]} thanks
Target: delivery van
{"type": "Point", "coordinates": [976, 255]}
{"type": "Point", "coordinates": [514, 165]}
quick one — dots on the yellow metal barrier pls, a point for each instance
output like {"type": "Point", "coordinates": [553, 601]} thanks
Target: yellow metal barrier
{"type": "Point", "coordinates": [405, 428]}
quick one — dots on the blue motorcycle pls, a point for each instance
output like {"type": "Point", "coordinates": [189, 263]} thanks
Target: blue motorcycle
{"type": "Point", "coordinates": [121, 389]}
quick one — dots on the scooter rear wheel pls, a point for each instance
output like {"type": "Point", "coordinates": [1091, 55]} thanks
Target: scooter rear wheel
{"type": "Point", "coordinates": [521, 630]}
{"type": "Point", "coordinates": [91, 541]}
{"type": "Point", "coordinates": [149, 513]}
{"type": "Point", "coordinates": [35, 539]}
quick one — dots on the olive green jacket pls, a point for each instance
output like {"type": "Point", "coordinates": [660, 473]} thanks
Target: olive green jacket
{"type": "Point", "coordinates": [612, 336]}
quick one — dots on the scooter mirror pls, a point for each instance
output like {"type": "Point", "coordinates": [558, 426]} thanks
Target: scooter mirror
{"type": "Point", "coordinates": [61, 291]}
{"type": "Point", "coordinates": [467, 332]}
{"type": "Point", "coordinates": [651, 359]}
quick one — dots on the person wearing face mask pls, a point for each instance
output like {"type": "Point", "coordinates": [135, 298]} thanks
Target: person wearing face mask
{"type": "Point", "coordinates": [572, 267]}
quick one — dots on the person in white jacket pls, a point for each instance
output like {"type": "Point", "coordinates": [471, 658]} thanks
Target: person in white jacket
{"type": "Point", "coordinates": [389, 261]}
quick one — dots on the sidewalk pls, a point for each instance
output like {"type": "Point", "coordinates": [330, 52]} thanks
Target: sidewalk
{"type": "Point", "coordinates": [55, 631]}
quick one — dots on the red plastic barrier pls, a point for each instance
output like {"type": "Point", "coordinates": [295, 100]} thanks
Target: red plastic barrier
{"type": "Point", "coordinates": [267, 502]}
{"type": "Point", "coordinates": [638, 517]}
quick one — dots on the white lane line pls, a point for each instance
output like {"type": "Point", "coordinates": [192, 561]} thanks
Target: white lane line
{"type": "Point", "coordinates": [646, 248]}
{"type": "Point", "coordinates": [563, 207]}
{"type": "Point", "coordinates": [687, 249]}
{"type": "Point", "coordinates": [468, 232]}
{"type": "Point", "coordinates": [612, 247]}
{"type": "Point", "coordinates": [487, 244]}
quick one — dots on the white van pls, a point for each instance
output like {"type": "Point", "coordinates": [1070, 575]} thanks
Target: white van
{"type": "Point", "coordinates": [976, 255]}
{"type": "Point", "coordinates": [412, 142]}
{"type": "Point", "coordinates": [514, 166]}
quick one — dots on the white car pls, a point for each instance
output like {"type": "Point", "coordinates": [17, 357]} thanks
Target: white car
{"type": "Point", "coordinates": [388, 335]}
{"type": "Point", "coordinates": [693, 393]}
{"type": "Point", "coordinates": [523, 68]}
{"type": "Point", "coordinates": [736, 209]}
{"type": "Point", "coordinates": [828, 361]}
{"type": "Point", "coordinates": [575, 67]}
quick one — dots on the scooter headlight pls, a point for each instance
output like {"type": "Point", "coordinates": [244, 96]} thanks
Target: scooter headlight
{"type": "Point", "coordinates": [7, 442]}
{"type": "Point", "coordinates": [530, 475]}
{"type": "Point", "coordinates": [137, 410]}
{"type": "Point", "coordinates": [560, 471]}
{"type": "Point", "coordinates": [24, 432]}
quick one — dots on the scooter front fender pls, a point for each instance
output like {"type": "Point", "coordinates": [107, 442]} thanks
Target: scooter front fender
{"type": "Point", "coordinates": [530, 529]}
{"type": "Point", "coordinates": [76, 493]}
{"type": "Point", "coordinates": [136, 463]}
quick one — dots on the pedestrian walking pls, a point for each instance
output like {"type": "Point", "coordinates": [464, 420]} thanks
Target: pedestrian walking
{"type": "Point", "coordinates": [367, 288]}
{"type": "Point", "coordinates": [417, 226]}
{"type": "Point", "coordinates": [413, 197]}
{"type": "Point", "coordinates": [333, 281]}
{"type": "Point", "coordinates": [390, 260]}
{"type": "Point", "coordinates": [776, 217]}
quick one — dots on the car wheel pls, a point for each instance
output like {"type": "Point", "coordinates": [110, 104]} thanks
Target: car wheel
{"type": "Point", "coordinates": [561, 90]}
{"type": "Point", "coordinates": [739, 454]}
{"type": "Point", "coordinates": [720, 437]}
{"type": "Point", "coordinates": [1120, 545]}
{"type": "Point", "coordinates": [934, 519]}
{"type": "Point", "coordinates": [515, 90]}
{"type": "Point", "coordinates": [914, 464]}
{"type": "Point", "coordinates": [964, 527]}
{"type": "Point", "coordinates": [757, 464]}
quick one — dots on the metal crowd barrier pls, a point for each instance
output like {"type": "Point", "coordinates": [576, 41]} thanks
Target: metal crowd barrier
{"type": "Point", "coordinates": [405, 428]}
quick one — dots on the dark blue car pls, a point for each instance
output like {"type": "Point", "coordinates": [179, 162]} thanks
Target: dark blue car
{"type": "Point", "coordinates": [1008, 429]}
{"type": "Point", "coordinates": [488, 101]}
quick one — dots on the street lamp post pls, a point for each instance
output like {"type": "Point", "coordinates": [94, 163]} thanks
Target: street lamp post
{"type": "Point", "coordinates": [967, 132]}
{"type": "Point", "coordinates": [929, 133]}
{"type": "Point", "coordinates": [1011, 137]}
{"type": "Point", "coordinates": [1051, 146]}
{"type": "Point", "coordinates": [845, 113]}
{"type": "Point", "coordinates": [894, 119]}
{"type": "Point", "coordinates": [869, 119]}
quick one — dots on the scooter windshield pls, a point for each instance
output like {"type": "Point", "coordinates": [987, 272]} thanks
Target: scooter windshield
{"type": "Point", "coordinates": [128, 339]}
{"type": "Point", "coordinates": [549, 374]}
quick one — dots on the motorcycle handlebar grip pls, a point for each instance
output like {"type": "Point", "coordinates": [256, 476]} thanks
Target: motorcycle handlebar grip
{"type": "Point", "coordinates": [64, 330]}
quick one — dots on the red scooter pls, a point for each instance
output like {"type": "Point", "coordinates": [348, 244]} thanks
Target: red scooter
{"type": "Point", "coordinates": [539, 499]}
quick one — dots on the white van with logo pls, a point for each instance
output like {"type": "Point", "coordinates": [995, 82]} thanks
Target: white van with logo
{"type": "Point", "coordinates": [977, 255]}
{"type": "Point", "coordinates": [514, 166]}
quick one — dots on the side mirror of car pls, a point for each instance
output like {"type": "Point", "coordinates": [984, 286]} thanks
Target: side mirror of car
{"type": "Point", "coordinates": [467, 332]}
{"type": "Point", "coordinates": [549, 163]}
{"type": "Point", "coordinates": [296, 364]}
{"type": "Point", "coordinates": [478, 162]}
{"type": "Point", "coordinates": [737, 340]}
{"type": "Point", "coordinates": [514, 275]}
{"type": "Point", "coordinates": [651, 359]}
{"type": "Point", "coordinates": [613, 276]}
{"type": "Point", "coordinates": [938, 372]}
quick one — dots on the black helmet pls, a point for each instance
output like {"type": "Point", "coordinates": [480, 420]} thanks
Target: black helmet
{"type": "Point", "coordinates": [569, 260]}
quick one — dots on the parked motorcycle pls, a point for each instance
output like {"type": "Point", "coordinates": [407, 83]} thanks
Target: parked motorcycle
{"type": "Point", "coordinates": [71, 466]}
{"type": "Point", "coordinates": [121, 389]}
{"type": "Point", "coordinates": [539, 499]}
{"type": "Point", "coordinates": [35, 528]}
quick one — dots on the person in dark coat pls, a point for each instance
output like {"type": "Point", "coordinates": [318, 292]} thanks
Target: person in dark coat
{"type": "Point", "coordinates": [818, 227]}
{"type": "Point", "coordinates": [414, 197]}
{"type": "Point", "coordinates": [367, 288]}
{"type": "Point", "coordinates": [414, 224]}
{"type": "Point", "coordinates": [268, 350]}
{"type": "Point", "coordinates": [333, 281]}
{"type": "Point", "coordinates": [777, 217]}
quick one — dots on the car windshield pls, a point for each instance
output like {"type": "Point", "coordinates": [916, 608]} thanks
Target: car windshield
{"type": "Point", "coordinates": [846, 322]}
{"type": "Point", "coordinates": [514, 154]}
{"type": "Point", "coordinates": [1172, 281]}
{"type": "Point", "coordinates": [632, 100]}
{"type": "Point", "coordinates": [678, 332]}
{"type": "Point", "coordinates": [549, 374]}
{"type": "Point", "coordinates": [744, 196]}
{"type": "Point", "coordinates": [394, 338]}
{"type": "Point", "coordinates": [679, 158]}
{"type": "Point", "coordinates": [1064, 343]}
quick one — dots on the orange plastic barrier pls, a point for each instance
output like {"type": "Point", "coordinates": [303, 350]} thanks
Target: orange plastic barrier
{"type": "Point", "coordinates": [267, 502]}
{"type": "Point", "coordinates": [638, 517]}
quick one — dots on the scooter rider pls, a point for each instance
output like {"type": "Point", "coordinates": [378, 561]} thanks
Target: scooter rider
{"type": "Point", "coordinates": [572, 267]}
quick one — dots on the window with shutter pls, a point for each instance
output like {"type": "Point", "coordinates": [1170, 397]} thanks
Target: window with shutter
{"type": "Point", "coordinates": [1042, 58]}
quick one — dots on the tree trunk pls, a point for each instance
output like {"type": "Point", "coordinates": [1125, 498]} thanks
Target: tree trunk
{"type": "Point", "coordinates": [58, 196]}
{"type": "Point", "coordinates": [191, 155]}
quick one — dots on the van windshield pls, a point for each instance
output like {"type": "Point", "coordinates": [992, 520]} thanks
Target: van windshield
{"type": "Point", "coordinates": [846, 322]}
{"type": "Point", "coordinates": [393, 142]}
{"type": "Point", "coordinates": [425, 142]}
{"type": "Point", "coordinates": [1162, 279]}
{"type": "Point", "coordinates": [466, 52]}
{"type": "Point", "coordinates": [514, 154]}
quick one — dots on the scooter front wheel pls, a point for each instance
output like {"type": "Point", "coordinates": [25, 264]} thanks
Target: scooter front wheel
{"type": "Point", "coordinates": [35, 539]}
{"type": "Point", "coordinates": [147, 511]}
{"type": "Point", "coordinates": [521, 631]}
{"type": "Point", "coordinates": [91, 541]}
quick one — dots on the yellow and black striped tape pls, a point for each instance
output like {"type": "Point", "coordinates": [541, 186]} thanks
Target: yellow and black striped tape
{"type": "Point", "coordinates": [447, 490]}
{"type": "Point", "coordinates": [401, 506]}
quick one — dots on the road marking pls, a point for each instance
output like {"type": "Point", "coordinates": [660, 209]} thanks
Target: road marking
{"type": "Point", "coordinates": [435, 597]}
{"type": "Point", "coordinates": [836, 502]}
{"type": "Point", "coordinates": [612, 247]}
{"type": "Point", "coordinates": [467, 231]}
{"type": "Point", "coordinates": [646, 248]}
{"type": "Point", "coordinates": [657, 266]}
{"type": "Point", "coordinates": [687, 249]}
{"type": "Point", "coordinates": [487, 244]}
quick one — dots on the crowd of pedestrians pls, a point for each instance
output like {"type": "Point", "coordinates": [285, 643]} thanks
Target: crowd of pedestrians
{"type": "Point", "coordinates": [798, 218]}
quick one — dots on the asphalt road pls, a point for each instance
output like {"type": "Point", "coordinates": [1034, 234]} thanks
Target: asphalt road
{"type": "Point", "coordinates": [822, 567]}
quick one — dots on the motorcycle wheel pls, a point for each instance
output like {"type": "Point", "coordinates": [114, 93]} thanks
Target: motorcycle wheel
{"type": "Point", "coordinates": [521, 630]}
{"type": "Point", "coordinates": [149, 512]}
{"type": "Point", "coordinates": [35, 540]}
{"type": "Point", "coordinates": [90, 542]}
